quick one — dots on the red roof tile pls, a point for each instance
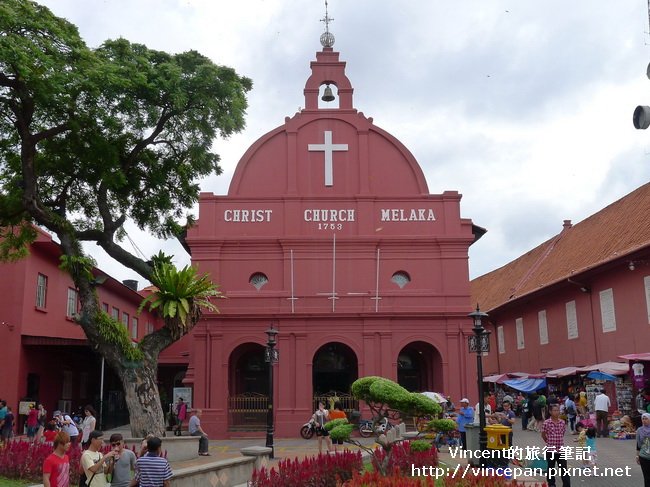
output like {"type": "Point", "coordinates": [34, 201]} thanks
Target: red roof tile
{"type": "Point", "coordinates": [619, 229]}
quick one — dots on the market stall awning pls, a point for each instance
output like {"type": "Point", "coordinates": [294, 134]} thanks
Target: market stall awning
{"type": "Point", "coordinates": [496, 378]}
{"type": "Point", "coordinates": [526, 375]}
{"type": "Point", "coordinates": [563, 372]}
{"type": "Point", "coordinates": [526, 385]}
{"type": "Point", "coordinates": [595, 374]}
{"type": "Point", "coordinates": [613, 368]}
{"type": "Point", "coordinates": [636, 356]}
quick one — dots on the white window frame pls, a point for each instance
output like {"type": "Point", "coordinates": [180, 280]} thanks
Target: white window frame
{"type": "Point", "coordinates": [519, 328]}
{"type": "Point", "coordinates": [501, 342]}
{"type": "Point", "coordinates": [607, 310]}
{"type": "Point", "coordinates": [72, 303]}
{"type": "Point", "coordinates": [41, 291]}
{"type": "Point", "coordinates": [646, 282]}
{"type": "Point", "coordinates": [543, 327]}
{"type": "Point", "coordinates": [571, 320]}
{"type": "Point", "coordinates": [115, 313]}
{"type": "Point", "coordinates": [134, 327]}
{"type": "Point", "coordinates": [149, 327]}
{"type": "Point", "coordinates": [125, 319]}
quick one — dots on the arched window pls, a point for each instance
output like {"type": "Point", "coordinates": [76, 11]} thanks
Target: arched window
{"type": "Point", "coordinates": [401, 278]}
{"type": "Point", "coordinates": [258, 280]}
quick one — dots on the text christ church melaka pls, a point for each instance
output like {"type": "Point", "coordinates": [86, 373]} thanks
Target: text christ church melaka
{"type": "Point", "coordinates": [328, 233]}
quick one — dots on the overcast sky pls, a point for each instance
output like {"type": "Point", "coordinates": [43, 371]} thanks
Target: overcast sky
{"type": "Point", "coordinates": [523, 107]}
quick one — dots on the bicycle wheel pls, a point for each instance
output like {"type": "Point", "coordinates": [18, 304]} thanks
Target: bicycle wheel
{"type": "Point", "coordinates": [306, 432]}
{"type": "Point", "coordinates": [365, 430]}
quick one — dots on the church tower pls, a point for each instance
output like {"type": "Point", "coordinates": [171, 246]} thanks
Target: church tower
{"type": "Point", "coordinates": [329, 234]}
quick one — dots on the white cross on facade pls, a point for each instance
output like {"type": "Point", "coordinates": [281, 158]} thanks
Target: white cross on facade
{"type": "Point", "coordinates": [328, 148]}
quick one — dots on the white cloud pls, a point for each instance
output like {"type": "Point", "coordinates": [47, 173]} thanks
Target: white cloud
{"type": "Point", "coordinates": [524, 107]}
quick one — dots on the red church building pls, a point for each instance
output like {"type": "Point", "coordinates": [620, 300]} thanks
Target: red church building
{"type": "Point", "coordinates": [329, 234]}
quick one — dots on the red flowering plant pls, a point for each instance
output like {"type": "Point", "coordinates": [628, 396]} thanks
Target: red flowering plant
{"type": "Point", "coordinates": [397, 479]}
{"type": "Point", "coordinates": [320, 471]}
{"type": "Point", "coordinates": [407, 455]}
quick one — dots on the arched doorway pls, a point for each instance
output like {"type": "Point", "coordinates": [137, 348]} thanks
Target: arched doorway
{"type": "Point", "coordinates": [248, 388]}
{"type": "Point", "coordinates": [334, 369]}
{"type": "Point", "coordinates": [419, 368]}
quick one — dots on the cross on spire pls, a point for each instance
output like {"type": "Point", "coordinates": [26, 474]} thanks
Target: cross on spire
{"type": "Point", "coordinates": [327, 19]}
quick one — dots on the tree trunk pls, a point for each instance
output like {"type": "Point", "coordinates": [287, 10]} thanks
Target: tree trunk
{"type": "Point", "coordinates": [142, 399]}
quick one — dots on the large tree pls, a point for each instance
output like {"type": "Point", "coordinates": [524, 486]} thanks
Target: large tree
{"type": "Point", "coordinates": [91, 138]}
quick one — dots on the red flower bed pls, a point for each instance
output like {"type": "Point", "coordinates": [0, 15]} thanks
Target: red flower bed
{"type": "Point", "coordinates": [320, 471]}
{"type": "Point", "coordinates": [397, 479]}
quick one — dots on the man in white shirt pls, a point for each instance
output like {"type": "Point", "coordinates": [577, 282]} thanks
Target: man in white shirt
{"type": "Point", "coordinates": [488, 410]}
{"type": "Point", "coordinates": [601, 405]}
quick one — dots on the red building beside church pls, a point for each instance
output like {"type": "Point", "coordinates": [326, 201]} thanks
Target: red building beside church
{"type": "Point", "coordinates": [328, 233]}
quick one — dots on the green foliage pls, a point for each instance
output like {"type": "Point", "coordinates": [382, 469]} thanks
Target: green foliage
{"type": "Point", "coordinates": [334, 423]}
{"type": "Point", "coordinates": [420, 445]}
{"type": "Point", "coordinates": [421, 405]}
{"type": "Point", "coordinates": [342, 432]}
{"type": "Point", "coordinates": [116, 334]}
{"type": "Point", "coordinates": [78, 266]}
{"type": "Point", "coordinates": [14, 240]}
{"type": "Point", "coordinates": [377, 390]}
{"type": "Point", "coordinates": [442, 425]}
{"type": "Point", "coordinates": [121, 131]}
{"type": "Point", "coordinates": [180, 293]}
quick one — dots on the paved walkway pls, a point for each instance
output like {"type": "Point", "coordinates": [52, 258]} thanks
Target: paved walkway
{"type": "Point", "coordinates": [611, 453]}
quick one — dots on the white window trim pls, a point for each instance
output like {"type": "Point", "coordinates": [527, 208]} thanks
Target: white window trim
{"type": "Point", "coordinates": [543, 327]}
{"type": "Point", "coordinates": [519, 328]}
{"type": "Point", "coordinates": [70, 307]}
{"type": "Point", "coordinates": [571, 320]}
{"type": "Point", "coordinates": [41, 291]}
{"type": "Point", "coordinates": [646, 282]}
{"type": "Point", "coordinates": [501, 343]}
{"type": "Point", "coordinates": [607, 310]}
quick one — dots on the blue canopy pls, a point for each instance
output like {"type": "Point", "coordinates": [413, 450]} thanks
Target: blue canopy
{"type": "Point", "coordinates": [598, 375]}
{"type": "Point", "coordinates": [526, 385]}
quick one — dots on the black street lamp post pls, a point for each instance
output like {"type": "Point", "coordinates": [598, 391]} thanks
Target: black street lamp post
{"type": "Point", "coordinates": [271, 357]}
{"type": "Point", "coordinates": [479, 343]}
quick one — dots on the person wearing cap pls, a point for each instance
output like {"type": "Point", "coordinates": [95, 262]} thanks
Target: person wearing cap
{"type": "Point", "coordinates": [465, 415]}
{"type": "Point", "coordinates": [65, 423]}
{"type": "Point", "coordinates": [93, 462]}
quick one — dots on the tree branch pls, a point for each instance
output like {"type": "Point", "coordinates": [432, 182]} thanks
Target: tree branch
{"type": "Point", "coordinates": [141, 145]}
{"type": "Point", "coordinates": [51, 132]}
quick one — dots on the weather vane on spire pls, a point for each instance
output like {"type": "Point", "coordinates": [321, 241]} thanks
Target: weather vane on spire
{"type": "Point", "coordinates": [327, 38]}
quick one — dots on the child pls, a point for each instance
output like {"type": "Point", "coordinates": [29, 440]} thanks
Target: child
{"type": "Point", "coordinates": [591, 444]}
{"type": "Point", "coordinates": [50, 431]}
{"type": "Point", "coordinates": [582, 441]}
